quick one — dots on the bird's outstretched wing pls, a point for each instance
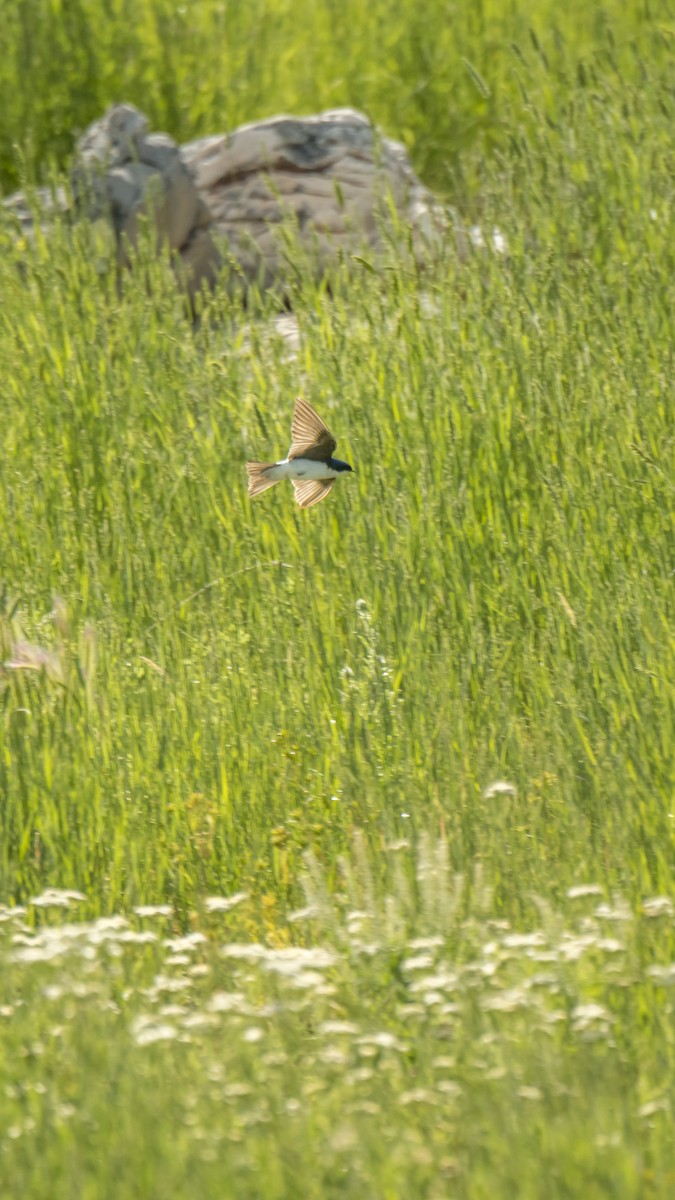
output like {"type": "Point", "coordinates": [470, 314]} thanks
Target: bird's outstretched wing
{"type": "Point", "coordinates": [310, 437]}
{"type": "Point", "coordinates": [310, 491]}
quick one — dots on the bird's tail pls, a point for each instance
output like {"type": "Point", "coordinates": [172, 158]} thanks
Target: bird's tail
{"type": "Point", "coordinates": [258, 481]}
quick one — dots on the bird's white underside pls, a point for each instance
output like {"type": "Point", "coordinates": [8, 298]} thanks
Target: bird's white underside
{"type": "Point", "coordinates": [300, 468]}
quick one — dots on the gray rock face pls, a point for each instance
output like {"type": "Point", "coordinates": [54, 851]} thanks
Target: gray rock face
{"type": "Point", "coordinates": [51, 203]}
{"type": "Point", "coordinates": [124, 173]}
{"type": "Point", "coordinates": [330, 173]}
{"type": "Point", "coordinates": [331, 178]}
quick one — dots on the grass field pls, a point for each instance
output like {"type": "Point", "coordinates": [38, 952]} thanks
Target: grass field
{"type": "Point", "coordinates": [364, 815]}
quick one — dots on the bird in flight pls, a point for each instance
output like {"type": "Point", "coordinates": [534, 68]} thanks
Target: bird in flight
{"type": "Point", "coordinates": [309, 464]}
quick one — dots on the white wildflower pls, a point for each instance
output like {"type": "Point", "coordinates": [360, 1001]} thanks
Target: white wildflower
{"type": "Point", "coordinates": [57, 898]}
{"type": "Point", "coordinates": [584, 889]}
{"type": "Point", "coordinates": [500, 787]}
{"type": "Point", "coordinates": [221, 904]}
{"type": "Point", "coordinates": [658, 906]}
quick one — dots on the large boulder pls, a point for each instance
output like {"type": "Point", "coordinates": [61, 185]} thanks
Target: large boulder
{"type": "Point", "coordinates": [124, 173]}
{"type": "Point", "coordinates": [339, 181]}
{"type": "Point", "coordinates": [330, 181]}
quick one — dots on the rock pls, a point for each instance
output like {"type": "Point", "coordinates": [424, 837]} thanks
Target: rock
{"type": "Point", "coordinates": [45, 203]}
{"type": "Point", "coordinates": [331, 173]}
{"type": "Point", "coordinates": [126, 174]}
{"type": "Point", "coordinates": [316, 187]}
{"type": "Point", "coordinates": [197, 262]}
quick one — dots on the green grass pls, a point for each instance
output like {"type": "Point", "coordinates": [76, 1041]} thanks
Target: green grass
{"type": "Point", "coordinates": [452, 80]}
{"type": "Point", "coordinates": [310, 707]}
{"type": "Point", "coordinates": [412, 1050]}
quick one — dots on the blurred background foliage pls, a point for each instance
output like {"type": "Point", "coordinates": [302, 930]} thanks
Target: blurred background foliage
{"type": "Point", "coordinates": [453, 81]}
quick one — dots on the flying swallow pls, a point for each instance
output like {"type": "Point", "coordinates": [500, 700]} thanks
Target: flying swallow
{"type": "Point", "coordinates": [309, 464]}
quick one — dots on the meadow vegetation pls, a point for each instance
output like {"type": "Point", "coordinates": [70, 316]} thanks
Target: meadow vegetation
{"type": "Point", "coordinates": [336, 847]}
